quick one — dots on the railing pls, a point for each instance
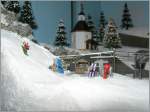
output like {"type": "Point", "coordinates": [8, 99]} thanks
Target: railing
{"type": "Point", "coordinates": [129, 56]}
{"type": "Point", "coordinates": [138, 60]}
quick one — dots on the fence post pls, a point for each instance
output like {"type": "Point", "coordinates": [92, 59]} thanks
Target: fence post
{"type": "Point", "coordinates": [128, 56]}
{"type": "Point", "coordinates": [114, 60]}
{"type": "Point", "coordinates": [140, 71]}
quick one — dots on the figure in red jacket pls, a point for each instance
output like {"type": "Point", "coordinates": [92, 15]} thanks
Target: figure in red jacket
{"type": "Point", "coordinates": [106, 70]}
{"type": "Point", "coordinates": [25, 47]}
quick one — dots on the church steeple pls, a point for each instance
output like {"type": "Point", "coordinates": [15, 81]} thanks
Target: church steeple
{"type": "Point", "coordinates": [81, 6]}
{"type": "Point", "coordinates": [81, 24]}
{"type": "Point", "coordinates": [80, 33]}
{"type": "Point", "coordinates": [81, 16]}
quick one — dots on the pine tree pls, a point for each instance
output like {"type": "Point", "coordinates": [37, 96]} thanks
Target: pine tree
{"type": "Point", "coordinates": [61, 39]}
{"type": "Point", "coordinates": [101, 33]}
{"type": "Point", "coordinates": [27, 16]}
{"type": "Point", "coordinates": [102, 19]}
{"type": "Point", "coordinates": [3, 2]}
{"type": "Point", "coordinates": [95, 35]}
{"type": "Point", "coordinates": [90, 24]}
{"type": "Point", "coordinates": [92, 29]}
{"type": "Point", "coordinates": [102, 27]}
{"type": "Point", "coordinates": [16, 6]}
{"type": "Point", "coordinates": [126, 20]}
{"type": "Point", "coordinates": [111, 38]}
{"type": "Point", "coordinates": [95, 38]}
{"type": "Point", "coordinates": [12, 6]}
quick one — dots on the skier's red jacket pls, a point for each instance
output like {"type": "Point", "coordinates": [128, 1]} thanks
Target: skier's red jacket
{"type": "Point", "coordinates": [106, 70]}
{"type": "Point", "coordinates": [26, 45]}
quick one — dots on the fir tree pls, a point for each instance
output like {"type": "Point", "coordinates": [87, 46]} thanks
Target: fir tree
{"type": "Point", "coordinates": [101, 33]}
{"type": "Point", "coordinates": [12, 6]}
{"type": "Point", "coordinates": [95, 35]}
{"type": "Point", "coordinates": [126, 20]}
{"type": "Point", "coordinates": [102, 19]}
{"type": "Point", "coordinates": [92, 29]}
{"type": "Point", "coordinates": [95, 39]}
{"type": "Point", "coordinates": [3, 2]}
{"type": "Point", "coordinates": [111, 38]}
{"type": "Point", "coordinates": [102, 27]}
{"type": "Point", "coordinates": [27, 16]}
{"type": "Point", "coordinates": [61, 39]}
{"type": "Point", "coordinates": [16, 6]}
{"type": "Point", "coordinates": [90, 24]}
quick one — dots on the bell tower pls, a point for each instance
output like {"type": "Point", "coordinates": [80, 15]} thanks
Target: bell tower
{"type": "Point", "coordinates": [81, 16]}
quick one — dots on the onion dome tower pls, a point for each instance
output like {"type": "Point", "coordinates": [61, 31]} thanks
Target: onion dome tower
{"type": "Point", "coordinates": [81, 32]}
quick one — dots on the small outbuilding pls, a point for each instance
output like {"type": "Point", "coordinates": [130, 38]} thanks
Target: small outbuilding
{"type": "Point", "coordinates": [81, 66]}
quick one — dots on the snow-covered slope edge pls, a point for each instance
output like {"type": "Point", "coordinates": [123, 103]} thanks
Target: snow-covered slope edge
{"type": "Point", "coordinates": [26, 80]}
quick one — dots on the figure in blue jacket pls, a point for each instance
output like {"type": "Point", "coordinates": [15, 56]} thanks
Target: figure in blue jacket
{"type": "Point", "coordinates": [58, 64]}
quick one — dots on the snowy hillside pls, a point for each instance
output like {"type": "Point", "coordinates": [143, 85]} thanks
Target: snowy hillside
{"type": "Point", "coordinates": [28, 85]}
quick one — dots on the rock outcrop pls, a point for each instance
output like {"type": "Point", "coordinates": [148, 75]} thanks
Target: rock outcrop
{"type": "Point", "coordinates": [9, 21]}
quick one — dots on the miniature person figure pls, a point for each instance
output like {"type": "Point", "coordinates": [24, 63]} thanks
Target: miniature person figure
{"type": "Point", "coordinates": [53, 66]}
{"type": "Point", "coordinates": [101, 67]}
{"type": "Point", "coordinates": [58, 65]}
{"type": "Point", "coordinates": [106, 70]}
{"type": "Point", "coordinates": [92, 70]}
{"type": "Point", "coordinates": [25, 47]}
{"type": "Point", "coordinates": [110, 72]}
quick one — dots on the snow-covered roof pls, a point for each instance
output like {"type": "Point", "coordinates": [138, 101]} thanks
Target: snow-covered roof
{"type": "Point", "coordinates": [137, 31]}
{"type": "Point", "coordinates": [82, 61]}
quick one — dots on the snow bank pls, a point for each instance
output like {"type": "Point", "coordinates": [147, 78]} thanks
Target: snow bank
{"type": "Point", "coordinates": [59, 51]}
{"type": "Point", "coordinates": [28, 85]}
{"type": "Point", "coordinates": [24, 77]}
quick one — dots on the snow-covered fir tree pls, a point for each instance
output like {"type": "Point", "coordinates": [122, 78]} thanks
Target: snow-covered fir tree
{"type": "Point", "coordinates": [111, 38]}
{"type": "Point", "coordinates": [3, 3]}
{"type": "Point", "coordinates": [95, 38]}
{"type": "Point", "coordinates": [27, 16]}
{"type": "Point", "coordinates": [12, 6]}
{"type": "Point", "coordinates": [61, 39]}
{"type": "Point", "coordinates": [102, 19]}
{"type": "Point", "coordinates": [101, 33]}
{"type": "Point", "coordinates": [102, 27]}
{"type": "Point", "coordinates": [95, 35]}
{"type": "Point", "coordinates": [92, 29]}
{"type": "Point", "coordinates": [126, 18]}
{"type": "Point", "coordinates": [90, 24]}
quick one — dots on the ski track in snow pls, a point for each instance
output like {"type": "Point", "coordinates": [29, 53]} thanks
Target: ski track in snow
{"type": "Point", "coordinates": [28, 85]}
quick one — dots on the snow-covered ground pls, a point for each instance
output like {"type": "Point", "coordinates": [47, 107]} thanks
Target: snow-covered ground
{"type": "Point", "coordinates": [28, 85]}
